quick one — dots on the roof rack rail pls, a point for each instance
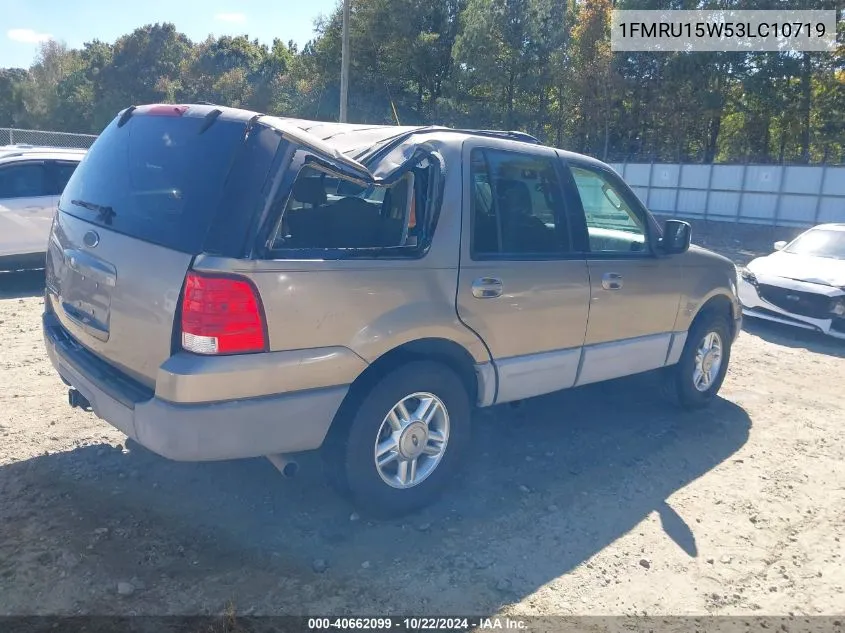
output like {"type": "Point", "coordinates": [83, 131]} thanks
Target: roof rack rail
{"type": "Point", "coordinates": [512, 134]}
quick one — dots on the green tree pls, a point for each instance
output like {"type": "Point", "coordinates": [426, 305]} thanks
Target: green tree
{"type": "Point", "coordinates": [594, 80]}
{"type": "Point", "coordinates": [11, 96]}
{"type": "Point", "coordinates": [146, 67]}
{"type": "Point", "coordinates": [41, 99]}
{"type": "Point", "coordinates": [543, 66]}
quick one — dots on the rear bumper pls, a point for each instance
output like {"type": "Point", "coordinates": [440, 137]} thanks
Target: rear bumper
{"type": "Point", "coordinates": [202, 431]}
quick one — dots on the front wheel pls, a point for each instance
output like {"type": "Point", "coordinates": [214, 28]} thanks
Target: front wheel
{"type": "Point", "coordinates": [699, 374]}
{"type": "Point", "coordinates": [406, 441]}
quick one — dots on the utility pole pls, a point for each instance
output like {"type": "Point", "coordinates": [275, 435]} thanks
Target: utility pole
{"type": "Point", "coordinates": [344, 62]}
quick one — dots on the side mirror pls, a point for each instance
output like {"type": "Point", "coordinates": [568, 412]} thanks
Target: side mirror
{"type": "Point", "coordinates": [676, 237]}
{"type": "Point", "coordinates": [779, 246]}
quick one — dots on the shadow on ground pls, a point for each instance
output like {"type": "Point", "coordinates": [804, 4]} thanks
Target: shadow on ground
{"type": "Point", "coordinates": [794, 337]}
{"type": "Point", "coordinates": [546, 486]}
{"type": "Point", "coordinates": [18, 285]}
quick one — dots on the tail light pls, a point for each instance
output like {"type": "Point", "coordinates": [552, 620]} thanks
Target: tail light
{"type": "Point", "coordinates": [222, 315]}
{"type": "Point", "coordinates": [164, 109]}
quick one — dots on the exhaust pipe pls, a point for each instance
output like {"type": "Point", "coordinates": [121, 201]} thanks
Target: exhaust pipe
{"type": "Point", "coordinates": [284, 464]}
{"type": "Point", "coordinates": [76, 399]}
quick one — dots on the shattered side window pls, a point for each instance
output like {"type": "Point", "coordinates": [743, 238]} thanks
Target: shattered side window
{"type": "Point", "coordinates": [328, 211]}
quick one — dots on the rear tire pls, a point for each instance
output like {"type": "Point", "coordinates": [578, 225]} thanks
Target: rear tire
{"type": "Point", "coordinates": [699, 374]}
{"type": "Point", "coordinates": [416, 422]}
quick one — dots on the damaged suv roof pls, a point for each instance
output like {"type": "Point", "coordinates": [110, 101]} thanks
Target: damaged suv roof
{"type": "Point", "coordinates": [350, 138]}
{"type": "Point", "coordinates": [376, 153]}
{"type": "Point", "coordinates": [356, 145]}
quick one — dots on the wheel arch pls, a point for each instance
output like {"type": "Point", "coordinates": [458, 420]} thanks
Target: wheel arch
{"type": "Point", "coordinates": [718, 304]}
{"type": "Point", "coordinates": [440, 350]}
{"type": "Point", "coordinates": [684, 392]}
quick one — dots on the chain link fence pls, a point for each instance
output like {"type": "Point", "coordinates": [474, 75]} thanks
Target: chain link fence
{"type": "Point", "coordinates": [43, 138]}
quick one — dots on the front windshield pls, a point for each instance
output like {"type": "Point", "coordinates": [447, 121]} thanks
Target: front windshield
{"type": "Point", "coordinates": [819, 243]}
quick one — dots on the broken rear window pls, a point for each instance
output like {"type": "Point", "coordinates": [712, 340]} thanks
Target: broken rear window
{"type": "Point", "coordinates": [329, 212]}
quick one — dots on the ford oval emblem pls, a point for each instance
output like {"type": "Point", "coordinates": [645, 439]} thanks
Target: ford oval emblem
{"type": "Point", "coordinates": [91, 239]}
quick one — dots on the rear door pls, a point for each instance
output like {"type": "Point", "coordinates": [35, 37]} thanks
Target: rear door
{"type": "Point", "coordinates": [634, 293]}
{"type": "Point", "coordinates": [27, 204]}
{"type": "Point", "coordinates": [522, 286]}
{"type": "Point", "coordinates": [133, 215]}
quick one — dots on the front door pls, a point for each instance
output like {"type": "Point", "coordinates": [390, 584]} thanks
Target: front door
{"type": "Point", "coordinates": [522, 287]}
{"type": "Point", "coordinates": [634, 292]}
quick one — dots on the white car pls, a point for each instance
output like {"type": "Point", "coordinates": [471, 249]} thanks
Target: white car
{"type": "Point", "coordinates": [31, 181]}
{"type": "Point", "coordinates": [802, 283]}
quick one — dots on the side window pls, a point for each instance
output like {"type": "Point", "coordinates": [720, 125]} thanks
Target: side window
{"type": "Point", "coordinates": [613, 226]}
{"type": "Point", "coordinates": [62, 171]}
{"type": "Point", "coordinates": [24, 180]}
{"type": "Point", "coordinates": [517, 206]}
{"type": "Point", "coordinates": [327, 211]}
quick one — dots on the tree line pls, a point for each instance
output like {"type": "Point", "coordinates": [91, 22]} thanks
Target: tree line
{"type": "Point", "coordinates": [541, 66]}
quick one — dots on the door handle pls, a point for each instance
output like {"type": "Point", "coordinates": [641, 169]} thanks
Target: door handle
{"type": "Point", "coordinates": [487, 288]}
{"type": "Point", "coordinates": [611, 281]}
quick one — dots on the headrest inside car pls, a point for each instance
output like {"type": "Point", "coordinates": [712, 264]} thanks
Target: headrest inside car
{"type": "Point", "coordinates": [310, 191]}
{"type": "Point", "coordinates": [514, 196]}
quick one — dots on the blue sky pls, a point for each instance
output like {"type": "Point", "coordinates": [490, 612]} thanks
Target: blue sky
{"type": "Point", "coordinates": [24, 23]}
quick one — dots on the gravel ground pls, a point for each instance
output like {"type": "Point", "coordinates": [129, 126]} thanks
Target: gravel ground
{"type": "Point", "coordinates": [599, 500]}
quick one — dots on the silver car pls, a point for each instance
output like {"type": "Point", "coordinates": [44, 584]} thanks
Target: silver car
{"type": "Point", "coordinates": [31, 181]}
{"type": "Point", "coordinates": [802, 283]}
{"type": "Point", "coordinates": [223, 284]}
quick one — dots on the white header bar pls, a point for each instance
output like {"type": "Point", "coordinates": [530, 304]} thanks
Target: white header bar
{"type": "Point", "coordinates": [723, 30]}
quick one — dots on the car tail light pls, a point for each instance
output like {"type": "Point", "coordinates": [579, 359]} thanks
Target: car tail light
{"type": "Point", "coordinates": [164, 109]}
{"type": "Point", "coordinates": [222, 315]}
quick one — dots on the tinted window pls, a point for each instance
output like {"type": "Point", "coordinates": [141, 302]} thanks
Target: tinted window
{"type": "Point", "coordinates": [62, 171]}
{"type": "Point", "coordinates": [613, 225]}
{"type": "Point", "coordinates": [517, 207]}
{"type": "Point", "coordinates": [23, 180]}
{"type": "Point", "coordinates": [157, 178]}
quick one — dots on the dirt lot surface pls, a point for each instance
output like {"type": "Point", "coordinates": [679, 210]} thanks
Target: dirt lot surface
{"type": "Point", "coordinates": [600, 500]}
